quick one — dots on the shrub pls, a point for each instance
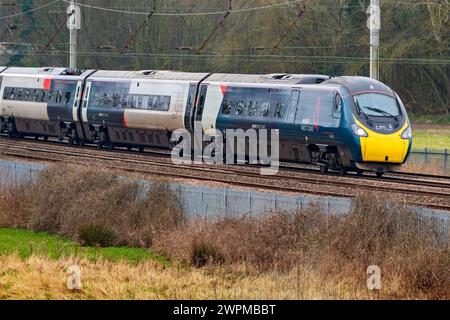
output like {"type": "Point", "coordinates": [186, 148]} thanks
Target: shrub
{"type": "Point", "coordinates": [95, 235]}
{"type": "Point", "coordinates": [203, 253]}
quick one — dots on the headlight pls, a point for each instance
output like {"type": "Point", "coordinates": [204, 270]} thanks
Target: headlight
{"type": "Point", "coordinates": [407, 134]}
{"type": "Point", "coordinates": [360, 132]}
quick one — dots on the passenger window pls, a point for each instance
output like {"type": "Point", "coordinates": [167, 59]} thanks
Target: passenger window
{"type": "Point", "coordinates": [239, 108]}
{"type": "Point", "coordinates": [252, 107]}
{"type": "Point", "coordinates": [41, 95]}
{"type": "Point", "coordinates": [139, 102]}
{"type": "Point", "coordinates": [131, 101]}
{"type": "Point", "coordinates": [124, 100]}
{"type": "Point", "coordinates": [19, 94]}
{"type": "Point", "coordinates": [6, 93]}
{"type": "Point", "coordinates": [165, 103]}
{"type": "Point", "coordinates": [115, 100]}
{"type": "Point", "coordinates": [67, 97]}
{"type": "Point", "coordinates": [27, 95]}
{"type": "Point", "coordinates": [279, 110]}
{"type": "Point", "coordinates": [86, 98]}
{"type": "Point", "coordinates": [226, 107]}
{"type": "Point", "coordinates": [150, 103]}
{"type": "Point", "coordinates": [155, 105]}
{"type": "Point", "coordinates": [293, 105]}
{"type": "Point", "coordinates": [265, 108]}
{"type": "Point", "coordinates": [49, 96]}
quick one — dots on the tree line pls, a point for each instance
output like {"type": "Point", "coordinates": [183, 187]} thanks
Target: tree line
{"type": "Point", "coordinates": [330, 37]}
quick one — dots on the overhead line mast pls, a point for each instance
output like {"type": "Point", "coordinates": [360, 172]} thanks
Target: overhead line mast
{"type": "Point", "coordinates": [374, 26]}
{"type": "Point", "coordinates": [74, 24]}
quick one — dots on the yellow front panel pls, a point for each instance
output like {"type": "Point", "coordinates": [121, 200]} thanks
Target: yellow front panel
{"type": "Point", "coordinates": [389, 148]}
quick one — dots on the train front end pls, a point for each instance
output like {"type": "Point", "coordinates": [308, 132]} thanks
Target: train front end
{"type": "Point", "coordinates": [380, 127]}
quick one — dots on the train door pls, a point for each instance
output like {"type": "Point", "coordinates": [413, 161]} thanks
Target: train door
{"type": "Point", "coordinates": [76, 102]}
{"type": "Point", "coordinates": [188, 116]}
{"type": "Point", "coordinates": [85, 101]}
{"type": "Point", "coordinates": [201, 103]}
{"type": "Point", "coordinates": [293, 106]}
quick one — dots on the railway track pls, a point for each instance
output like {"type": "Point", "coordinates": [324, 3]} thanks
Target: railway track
{"type": "Point", "coordinates": [430, 191]}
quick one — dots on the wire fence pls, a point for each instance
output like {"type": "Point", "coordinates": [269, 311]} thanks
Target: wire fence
{"type": "Point", "coordinates": [440, 159]}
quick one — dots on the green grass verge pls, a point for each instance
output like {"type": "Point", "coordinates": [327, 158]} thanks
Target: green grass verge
{"type": "Point", "coordinates": [26, 243]}
{"type": "Point", "coordinates": [428, 119]}
{"type": "Point", "coordinates": [434, 139]}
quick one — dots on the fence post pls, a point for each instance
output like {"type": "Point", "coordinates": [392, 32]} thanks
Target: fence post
{"type": "Point", "coordinates": [250, 203]}
{"type": "Point", "coordinates": [445, 159]}
{"type": "Point", "coordinates": [426, 156]}
{"type": "Point", "coordinates": [225, 202]}
{"type": "Point", "coordinates": [15, 174]}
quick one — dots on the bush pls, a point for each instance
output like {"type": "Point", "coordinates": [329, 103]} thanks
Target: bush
{"type": "Point", "coordinates": [203, 253]}
{"type": "Point", "coordinates": [94, 235]}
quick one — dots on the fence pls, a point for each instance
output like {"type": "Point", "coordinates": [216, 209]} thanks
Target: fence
{"type": "Point", "coordinates": [427, 157]}
{"type": "Point", "coordinates": [15, 173]}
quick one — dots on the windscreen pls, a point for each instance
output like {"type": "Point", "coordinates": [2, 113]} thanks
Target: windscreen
{"type": "Point", "coordinates": [377, 105]}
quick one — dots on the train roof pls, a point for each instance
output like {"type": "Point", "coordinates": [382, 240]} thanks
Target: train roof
{"type": "Point", "coordinates": [47, 71]}
{"type": "Point", "coordinates": [150, 75]}
{"type": "Point", "coordinates": [361, 84]}
{"type": "Point", "coordinates": [274, 78]}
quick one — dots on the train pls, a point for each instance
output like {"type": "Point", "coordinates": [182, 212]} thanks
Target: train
{"type": "Point", "coordinates": [343, 124]}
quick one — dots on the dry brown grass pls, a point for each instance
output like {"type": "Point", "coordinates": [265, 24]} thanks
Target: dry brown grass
{"type": "Point", "coordinates": [339, 248]}
{"type": "Point", "coordinates": [41, 278]}
{"type": "Point", "coordinates": [433, 167]}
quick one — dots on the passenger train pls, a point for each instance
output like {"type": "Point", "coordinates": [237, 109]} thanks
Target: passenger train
{"type": "Point", "coordinates": [339, 123]}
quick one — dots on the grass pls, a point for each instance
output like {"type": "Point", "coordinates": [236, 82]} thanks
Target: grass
{"type": "Point", "coordinates": [437, 139]}
{"type": "Point", "coordinates": [307, 254]}
{"type": "Point", "coordinates": [25, 244]}
{"type": "Point", "coordinates": [42, 278]}
{"type": "Point", "coordinates": [428, 119]}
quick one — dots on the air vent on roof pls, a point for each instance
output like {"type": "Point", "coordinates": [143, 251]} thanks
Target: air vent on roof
{"type": "Point", "coordinates": [148, 72]}
{"type": "Point", "coordinates": [282, 76]}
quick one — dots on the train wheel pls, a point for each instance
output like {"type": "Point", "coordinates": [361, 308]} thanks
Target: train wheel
{"type": "Point", "coordinates": [71, 141]}
{"type": "Point", "coordinates": [110, 147]}
{"type": "Point", "coordinates": [323, 168]}
{"type": "Point", "coordinates": [379, 174]}
{"type": "Point", "coordinates": [359, 172]}
{"type": "Point", "coordinates": [141, 149]}
{"type": "Point", "coordinates": [342, 172]}
{"type": "Point", "coordinates": [99, 145]}
{"type": "Point", "coordinates": [45, 138]}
